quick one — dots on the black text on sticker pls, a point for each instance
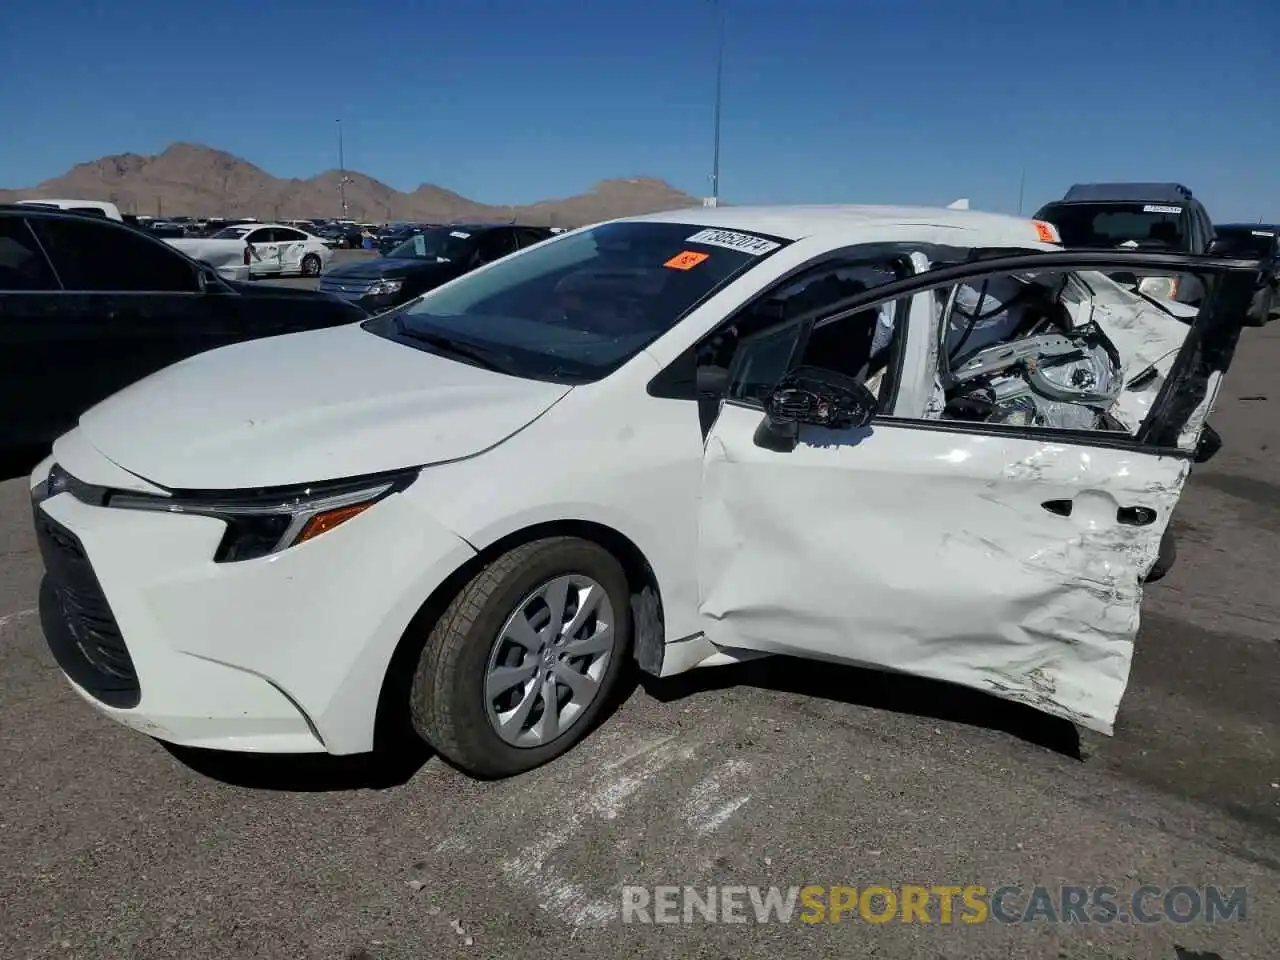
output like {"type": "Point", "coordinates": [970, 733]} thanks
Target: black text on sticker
{"type": "Point", "coordinates": [1159, 208]}
{"type": "Point", "coordinates": [744, 242]}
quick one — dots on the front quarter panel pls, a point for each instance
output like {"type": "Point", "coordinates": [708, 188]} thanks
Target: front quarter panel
{"type": "Point", "coordinates": [607, 454]}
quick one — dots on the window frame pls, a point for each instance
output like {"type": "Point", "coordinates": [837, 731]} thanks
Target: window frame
{"type": "Point", "coordinates": [1000, 263]}
{"type": "Point", "coordinates": [807, 322]}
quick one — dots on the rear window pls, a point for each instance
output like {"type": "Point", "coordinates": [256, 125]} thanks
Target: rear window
{"type": "Point", "coordinates": [1151, 226]}
{"type": "Point", "coordinates": [577, 307]}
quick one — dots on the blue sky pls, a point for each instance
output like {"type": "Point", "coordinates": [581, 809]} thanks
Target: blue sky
{"type": "Point", "coordinates": [509, 101]}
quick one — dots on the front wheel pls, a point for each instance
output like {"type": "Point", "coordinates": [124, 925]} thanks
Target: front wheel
{"type": "Point", "coordinates": [525, 658]}
{"type": "Point", "coordinates": [311, 265]}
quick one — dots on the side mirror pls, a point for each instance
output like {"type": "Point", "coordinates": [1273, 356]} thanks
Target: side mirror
{"type": "Point", "coordinates": [815, 397]}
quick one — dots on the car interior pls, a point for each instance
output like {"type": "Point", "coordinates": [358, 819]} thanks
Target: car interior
{"type": "Point", "coordinates": [1015, 350]}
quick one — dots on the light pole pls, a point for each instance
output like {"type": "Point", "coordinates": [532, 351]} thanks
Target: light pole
{"type": "Point", "coordinates": [1022, 185]}
{"type": "Point", "coordinates": [715, 150]}
{"type": "Point", "coordinates": [343, 179]}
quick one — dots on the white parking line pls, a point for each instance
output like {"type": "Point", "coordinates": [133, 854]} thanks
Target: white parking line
{"type": "Point", "coordinates": [707, 810]}
{"type": "Point", "coordinates": [9, 618]}
{"type": "Point", "coordinates": [532, 866]}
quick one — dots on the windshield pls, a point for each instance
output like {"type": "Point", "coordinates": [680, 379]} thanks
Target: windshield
{"type": "Point", "coordinates": [454, 245]}
{"type": "Point", "coordinates": [574, 308]}
{"type": "Point", "coordinates": [1155, 226]}
{"type": "Point", "coordinates": [230, 233]}
{"type": "Point", "coordinates": [1245, 242]}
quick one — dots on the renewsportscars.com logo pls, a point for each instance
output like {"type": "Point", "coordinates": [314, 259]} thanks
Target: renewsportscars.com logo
{"type": "Point", "coordinates": [941, 904]}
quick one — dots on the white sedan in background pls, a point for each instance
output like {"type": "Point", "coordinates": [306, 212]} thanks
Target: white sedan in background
{"type": "Point", "coordinates": [261, 249]}
{"type": "Point", "coordinates": [928, 441]}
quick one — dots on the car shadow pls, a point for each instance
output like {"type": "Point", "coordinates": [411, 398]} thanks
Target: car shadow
{"type": "Point", "coordinates": [894, 692]}
{"type": "Point", "coordinates": [382, 769]}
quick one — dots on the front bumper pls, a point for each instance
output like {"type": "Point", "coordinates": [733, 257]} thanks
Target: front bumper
{"type": "Point", "coordinates": [286, 654]}
{"type": "Point", "coordinates": [374, 303]}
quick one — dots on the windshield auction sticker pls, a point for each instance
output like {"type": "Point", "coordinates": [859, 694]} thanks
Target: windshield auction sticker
{"type": "Point", "coordinates": [686, 260]}
{"type": "Point", "coordinates": [1157, 208]}
{"type": "Point", "coordinates": [742, 242]}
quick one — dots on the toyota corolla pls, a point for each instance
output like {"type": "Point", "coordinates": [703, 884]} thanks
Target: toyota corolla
{"type": "Point", "coordinates": [929, 441]}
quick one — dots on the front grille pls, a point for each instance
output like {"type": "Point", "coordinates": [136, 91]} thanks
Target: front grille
{"type": "Point", "coordinates": [78, 623]}
{"type": "Point", "coordinates": [345, 288]}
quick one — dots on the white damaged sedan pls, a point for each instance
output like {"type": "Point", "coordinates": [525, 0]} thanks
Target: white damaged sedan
{"type": "Point", "coordinates": [928, 441]}
{"type": "Point", "coordinates": [259, 250]}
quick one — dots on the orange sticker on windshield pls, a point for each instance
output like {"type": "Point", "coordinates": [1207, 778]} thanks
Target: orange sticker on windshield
{"type": "Point", "coordinates": [1046, 232]}
{"type": "Point", "coordinates": [686, 260]}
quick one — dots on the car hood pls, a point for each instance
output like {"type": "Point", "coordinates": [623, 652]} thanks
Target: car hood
{"type": "Point", "coordinates": [297, 409]}
{"type": "Point", "coordinates": [386, 267]}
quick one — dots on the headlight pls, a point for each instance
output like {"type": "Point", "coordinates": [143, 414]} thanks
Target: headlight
{"type": "Point", "coordinates": [1162, 288]}
{"type": "Point", "coordinates": [268, 521]}
{"type": "Point", "coordinates": [59, 481]}
{"type": "Point", "coordinates": [386, 286]}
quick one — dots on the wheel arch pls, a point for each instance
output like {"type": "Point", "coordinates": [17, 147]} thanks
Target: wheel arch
{"type": "Point", "coordinates": [391, 721]}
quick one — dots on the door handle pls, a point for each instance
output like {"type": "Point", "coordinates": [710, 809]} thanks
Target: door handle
{"type": "Point", "coordinates": [1136, 516]}
{"type": "Point", "coordinates": [1061, 508]}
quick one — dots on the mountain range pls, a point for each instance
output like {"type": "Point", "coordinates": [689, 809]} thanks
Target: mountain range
{"type": "Point", "coordinates": [196, 180]}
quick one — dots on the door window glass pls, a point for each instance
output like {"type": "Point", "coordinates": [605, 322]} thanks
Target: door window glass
{"type": "Point", "coordinates": [860, 345]}
{"type": "Point", "coordinates": [496, 244]}
{"type": "Point", "coordinates": [527, 238]}
{"type": "Point", "coordinates": [22, 265]}
{"type": "Point", "coordinates": [101, 256]}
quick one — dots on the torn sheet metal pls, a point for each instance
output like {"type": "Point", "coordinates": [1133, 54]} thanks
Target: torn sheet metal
{"type": "Point", "coordinates": [934, 554]}
{"type": "Point", "coordinates": [1103, 372]}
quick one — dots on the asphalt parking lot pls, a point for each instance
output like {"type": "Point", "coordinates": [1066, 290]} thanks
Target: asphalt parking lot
{"type": "Point", "coordinates": [775, 773]}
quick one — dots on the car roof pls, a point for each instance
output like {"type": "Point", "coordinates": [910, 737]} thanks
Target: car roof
{"type": "Point", "coordinates": [35, 210]}
{"type": "Point", "coordinates": [1130, 192]}
{"type": "Point", "coordinates": [1265, 227]}
{"type": "Point", "coordinates": [850, 223]}
{"type": "Point", "coordinates": [255, 225]}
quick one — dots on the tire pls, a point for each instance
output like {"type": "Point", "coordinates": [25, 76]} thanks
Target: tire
{"type": "Point", "coordinates": [311, 265]}
{"type": "Point", "coordinates": [449, 705]}
{"type": "Point", "coordinates": [1167, 557]}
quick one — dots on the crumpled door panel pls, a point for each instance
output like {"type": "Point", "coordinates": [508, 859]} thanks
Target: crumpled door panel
{"type": "Point", "coordinates": [934, 553]}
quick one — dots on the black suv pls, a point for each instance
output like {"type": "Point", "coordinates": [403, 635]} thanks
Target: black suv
{"type": "Point", "coordinates": [425, 260]}
{"type": "Point", "coordinates": [89, 305]}
{"type": "Point", "coordinates": [1163, 217]}
{"type": "Point", "coordinates": [1252, 241]}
